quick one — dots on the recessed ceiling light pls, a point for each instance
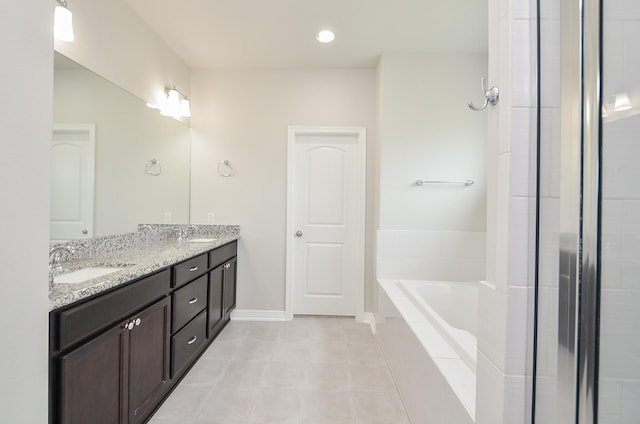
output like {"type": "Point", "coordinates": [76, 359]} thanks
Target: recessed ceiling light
{"type": "Point", "coordinates": [325, 36]}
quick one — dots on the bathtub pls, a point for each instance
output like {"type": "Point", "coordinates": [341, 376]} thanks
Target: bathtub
{"type": "Point", "coordinates": [452, 308]}
{"type": "Point", "coordinates": [427, 330]}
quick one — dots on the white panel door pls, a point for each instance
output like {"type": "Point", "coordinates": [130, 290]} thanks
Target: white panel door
{"type": "Point", "coordinates": [326, 178]}
{"type": "Point", "coordinates": [72, 180]}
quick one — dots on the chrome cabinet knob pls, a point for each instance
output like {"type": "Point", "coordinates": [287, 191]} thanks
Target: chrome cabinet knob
{"type": "Point", "coordinates": [138, 321]}
{"type": "Point", "coordinates": [298, 233]}
{"type": "Point", "coordinates": [85, 231]}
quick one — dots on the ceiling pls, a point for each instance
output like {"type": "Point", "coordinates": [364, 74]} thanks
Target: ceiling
{"type": "Point", "coordinates": [281, 33]}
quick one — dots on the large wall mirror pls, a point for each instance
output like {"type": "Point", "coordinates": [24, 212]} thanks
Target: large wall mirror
{"type": "Point", "coordinates": [115, 162]}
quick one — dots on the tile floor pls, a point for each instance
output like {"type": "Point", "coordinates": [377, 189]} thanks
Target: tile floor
{"type": "Point", "coordinates": [306, 371]}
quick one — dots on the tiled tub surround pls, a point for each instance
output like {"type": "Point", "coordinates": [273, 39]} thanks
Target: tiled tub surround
{"type": "Point", "coordinates": [431, 255]}
{"type": "Point", "coordinates": [138, 254]}
{"type": "Point", "coordinates": [437, 385]}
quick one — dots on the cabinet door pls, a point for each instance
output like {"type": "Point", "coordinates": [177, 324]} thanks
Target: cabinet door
{"type": "Point", "coordinates": [215, 310]}
{"type": "Point", "coordinates": [230, 286]}
{"type": "Point", "coordinates": [91, 384]}
{"type": "Point", "coordinates": [148, 359]}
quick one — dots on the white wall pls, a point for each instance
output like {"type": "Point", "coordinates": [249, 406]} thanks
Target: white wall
{"type": "Point", "coordinates": [431, 232]}
{"type": "Point", "coordinates": [242, 116]}
{"type": "Point", "coordinates": [427, 132]}
{"type": "Point", "coordinates": [128, 135]}
{"type": "Point", "coordinates": [26, 31]}
{"type": "Point", "coordinates": [114, 42]}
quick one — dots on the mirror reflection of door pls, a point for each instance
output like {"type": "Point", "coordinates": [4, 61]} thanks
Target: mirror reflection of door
{"type": "Point", "coordinates": [72, 177]}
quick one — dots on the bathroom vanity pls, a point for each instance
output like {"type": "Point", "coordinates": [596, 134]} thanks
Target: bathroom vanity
{"type": "Point", "coordinates": [119, 343]}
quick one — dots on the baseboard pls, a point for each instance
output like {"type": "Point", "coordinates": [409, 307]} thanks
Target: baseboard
{"type": "Point", "coordinates": [369, 318]}
{"type": "Point", "coordinates": [256, 315]}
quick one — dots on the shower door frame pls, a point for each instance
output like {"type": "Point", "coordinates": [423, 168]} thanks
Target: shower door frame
{"type": "Point", "coordinates": [580, 206]}
{"type": "Point", "coordinates": [589, 318]}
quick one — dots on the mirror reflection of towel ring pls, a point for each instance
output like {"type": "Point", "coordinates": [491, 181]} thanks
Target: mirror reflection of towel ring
{"type": "Point", "coordinates": [154, 168]}
{"type": "Point", "coordinates": [224, 168]}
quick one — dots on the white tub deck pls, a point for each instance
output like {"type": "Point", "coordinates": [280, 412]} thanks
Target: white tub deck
{"type": "Point", "coordinates": [452, 352]}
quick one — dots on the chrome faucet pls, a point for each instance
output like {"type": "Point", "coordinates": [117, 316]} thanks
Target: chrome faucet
{"type": "Point", "coordinates": [55, 256]}
{"type": "Point", "coordinates": [55, 261]}
{"type": "Point", "coordinates": [183, 232]}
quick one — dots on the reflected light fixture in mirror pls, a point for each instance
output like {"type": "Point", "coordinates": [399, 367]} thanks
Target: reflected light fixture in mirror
{"type": "Point", "coordinates": [173, 103]}
{"type": "Point", "coordinates": [63, 22]}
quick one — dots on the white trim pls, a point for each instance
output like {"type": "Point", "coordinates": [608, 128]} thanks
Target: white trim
{"type": "Point", "coordinates": [257, 315]}
{"type": "Point", "coordinates": [361, 132]}
{"type": "Point", "coordinates": [369, 318]}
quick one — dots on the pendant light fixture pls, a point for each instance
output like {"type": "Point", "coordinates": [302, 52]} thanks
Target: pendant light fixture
{"type": "Point", "coordinates": [63, 22]}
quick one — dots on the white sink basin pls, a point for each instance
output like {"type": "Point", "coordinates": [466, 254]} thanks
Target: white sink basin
{"type": "Point", "coordinates": [84, 274]}
{"type": "Point", "coordinates": [202, 240]}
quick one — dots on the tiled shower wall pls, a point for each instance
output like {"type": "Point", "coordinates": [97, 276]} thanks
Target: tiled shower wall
{"type": "Point", "coordinates": [504, 336]}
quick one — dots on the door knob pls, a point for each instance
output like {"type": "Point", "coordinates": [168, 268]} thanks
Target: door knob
{"type": "Point", "coordinates": [298, 233]}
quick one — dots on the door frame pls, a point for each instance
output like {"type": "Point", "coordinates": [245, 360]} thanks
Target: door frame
{"type": "Point", "coordinates": [361, 133]}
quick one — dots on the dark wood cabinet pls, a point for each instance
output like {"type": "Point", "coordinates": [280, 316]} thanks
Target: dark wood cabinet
{"type": "Point", "coordinates": [230, 286]}
{"type": "Point", "coordinates": [115, 356]}
{"type": "Point", "coordinates": [188, 302]}
{"type": "Point", "coordinates": [186, 343]}
{"type": "Point", "coordinates": [119, 376]}
{"type": "Point", "coordinates": [148, 360]}
{"type": "Point", "coordinates": [91, 383]}
{"type": "Point", "coordinates": [222, 287]}
{"type": "Point", "coordinates": [215, 310]}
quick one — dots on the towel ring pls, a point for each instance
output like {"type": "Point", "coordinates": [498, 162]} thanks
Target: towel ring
{"type": "Point", "coordinates": [153, 167]}
{"type": "Point", "coordinates": [224, 168]}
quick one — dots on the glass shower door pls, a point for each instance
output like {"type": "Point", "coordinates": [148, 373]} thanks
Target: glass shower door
{"type": "Point", "coordinates": [588, 276]}
{"type": "Point", "coordinates": [619, 364]}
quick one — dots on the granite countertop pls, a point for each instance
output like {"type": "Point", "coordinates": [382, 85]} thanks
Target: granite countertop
{"type": "Point", "coordinates": [137, 259]}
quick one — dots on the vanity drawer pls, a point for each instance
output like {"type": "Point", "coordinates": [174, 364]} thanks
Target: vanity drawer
{"type": "Point", "coordinates": [187, 342]}
{"type": "Point", "coordinates": [81, 321]}
{"type": "Point", "coordinates": [189, 269]}
{"type": "Point", "coordinates": [188, 301]}
{"type": "Point", "coordinates": [222, 254]}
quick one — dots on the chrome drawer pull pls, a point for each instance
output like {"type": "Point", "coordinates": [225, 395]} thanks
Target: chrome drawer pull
{"type": "Point", "coordinates": [192, 301]}
{"type": "Point", "coordinates": [195, 268]}
{"type": "Point", "coordinates": [138, 321]}
{"type": "Point", "coordinates": [192, 340]}
{"type": "Point", "coordinates": [227, 266]}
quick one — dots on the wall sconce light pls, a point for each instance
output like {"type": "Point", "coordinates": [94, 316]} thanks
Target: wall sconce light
{"type": "Point", "coordinates": [173, 103]}
{"type": "Point", "coordinates": [63, 22]}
